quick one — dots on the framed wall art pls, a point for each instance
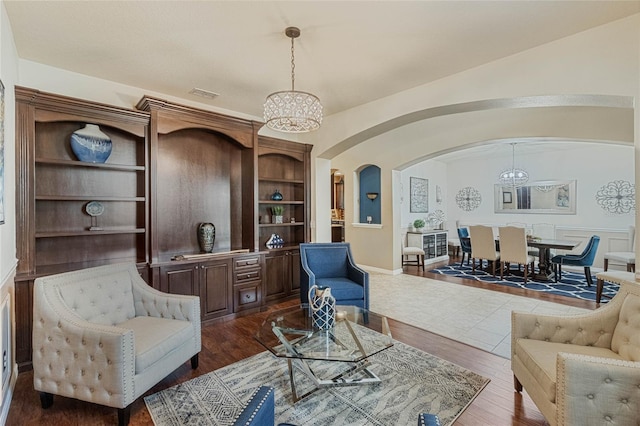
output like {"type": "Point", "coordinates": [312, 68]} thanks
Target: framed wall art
{"type": "Point", "coordinates": [418, 195]}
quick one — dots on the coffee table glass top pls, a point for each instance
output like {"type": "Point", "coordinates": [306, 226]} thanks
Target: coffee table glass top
{"type": "Point", "coordinates": [356, 335]}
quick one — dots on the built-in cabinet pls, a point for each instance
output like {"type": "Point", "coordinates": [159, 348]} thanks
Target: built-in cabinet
{"type": "Point", "coordinates": [283, 168]}
{"type": "Point", "coordinates": [208, 279]}
{"type": "Point", "coordinates": [171, 168]}
{"type": "Point", "coordinates": [54, 231]}
{"type": "Point", "coordinates": [282, 278]}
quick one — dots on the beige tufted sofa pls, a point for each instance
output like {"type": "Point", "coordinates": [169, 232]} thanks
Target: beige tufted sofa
{"type": "Point", "coordinates": [103, 335]}
{"type": "Point", "coordinates": [582, 369]}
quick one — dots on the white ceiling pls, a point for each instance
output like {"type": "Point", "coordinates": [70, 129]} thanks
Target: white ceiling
{"type": "Point", "coordinates": [349, 53]}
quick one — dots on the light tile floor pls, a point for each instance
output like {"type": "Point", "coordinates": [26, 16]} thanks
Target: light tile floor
{"type": "Point", "coordinates": [477, 317]}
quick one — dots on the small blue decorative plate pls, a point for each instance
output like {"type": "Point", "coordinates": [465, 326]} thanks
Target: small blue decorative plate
{"type": "Point", "coordinates": [94, 208]}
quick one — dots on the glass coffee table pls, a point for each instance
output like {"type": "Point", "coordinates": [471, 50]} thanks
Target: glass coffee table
{"type": "Point", "coordinates": [335, 357]}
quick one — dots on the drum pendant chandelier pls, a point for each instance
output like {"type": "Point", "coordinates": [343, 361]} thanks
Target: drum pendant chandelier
{"type": "Point", "coordinates": [513, 177]}
{"type": "Point", "coordinates": [292, 111]}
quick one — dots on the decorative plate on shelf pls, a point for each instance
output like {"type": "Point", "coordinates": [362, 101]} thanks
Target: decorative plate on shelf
{"type": "Point", "coordinates": [94, 208]}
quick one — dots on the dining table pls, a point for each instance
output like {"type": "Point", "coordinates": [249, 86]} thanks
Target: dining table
{"type": "Point", "coordinates": [544, 246]}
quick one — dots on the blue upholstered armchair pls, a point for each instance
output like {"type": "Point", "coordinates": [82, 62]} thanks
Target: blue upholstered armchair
{"type": "Point", "coordinates": [584, 259]}
{"type": "Point", "coordinates": [331, 265]}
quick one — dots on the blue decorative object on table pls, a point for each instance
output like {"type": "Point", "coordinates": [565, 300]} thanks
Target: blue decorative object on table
{"type": "Point", "coordinates": [275, 241]}
{"type": "Point", "coordinates": [323, 306]}
{"type": "Point", "coordinates": [277, 196]}
{"type": "Point", "coordinates": [90, 145]}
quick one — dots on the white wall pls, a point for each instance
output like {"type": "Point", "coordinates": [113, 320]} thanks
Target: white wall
{"type": "Point", "coordinates": [9, 76]}
{"type": "Point", "coordinates": [591, 165]}
{"type": "Point", "coordinates": [436, 172]}
{"type": "Point", "coordinates": [573, 65]}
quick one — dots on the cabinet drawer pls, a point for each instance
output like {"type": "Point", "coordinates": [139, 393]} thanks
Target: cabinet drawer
{"type": "Point", "coordinates": [246, 262]}
{"type": "Point", "coordinates": [246, 275]}
{"type": "Point", "coordinates": [246, 296]}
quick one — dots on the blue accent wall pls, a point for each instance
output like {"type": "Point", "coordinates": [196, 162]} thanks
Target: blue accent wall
{"type": "Point", "coordinates": [370, 182]}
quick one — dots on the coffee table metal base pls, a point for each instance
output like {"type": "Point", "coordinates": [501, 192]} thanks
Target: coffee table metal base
{"type": "Point", "coordinates": [342, 379]}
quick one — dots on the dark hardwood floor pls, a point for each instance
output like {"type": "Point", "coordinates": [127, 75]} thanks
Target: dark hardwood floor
{"type": "Point", "coordinates": [231, 341]}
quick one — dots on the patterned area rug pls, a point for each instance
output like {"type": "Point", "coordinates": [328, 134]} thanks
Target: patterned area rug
{"type": "Point", "coordinates": [413, 382]}
{"type": "Point", "coordinates": [571, 284]}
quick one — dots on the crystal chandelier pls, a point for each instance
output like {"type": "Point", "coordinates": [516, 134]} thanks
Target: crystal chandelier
{"type": "Point", "coordinates": [293, 111]}
{"type": "Point", "coordinates": [513, 176]}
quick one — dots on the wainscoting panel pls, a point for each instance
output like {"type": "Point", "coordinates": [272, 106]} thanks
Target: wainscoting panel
{"type": "Point", "coordinates": [610, 240]}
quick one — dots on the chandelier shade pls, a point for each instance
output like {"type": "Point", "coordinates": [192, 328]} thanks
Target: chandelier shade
{"type": "Point", "coordinates": [293, 111]}
{"type": "Point", "coordinates": [513, 176]}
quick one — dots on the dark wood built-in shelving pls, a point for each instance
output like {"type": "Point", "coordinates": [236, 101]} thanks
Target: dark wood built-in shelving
{"type": "Point", "coordinates": [171, 168]}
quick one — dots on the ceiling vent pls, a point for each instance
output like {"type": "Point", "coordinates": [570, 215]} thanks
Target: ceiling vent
{"type": "Point", "coordinates": [203, 93]}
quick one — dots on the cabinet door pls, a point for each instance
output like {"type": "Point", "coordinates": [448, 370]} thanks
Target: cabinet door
{"type": "Point", "coordinates": [441, 242]}
{"type": "Point", "coordinates": [429, 246]}
{"type": "Point", "coordinates": [294, 260]}
{"type": "Point", "coordinates": [277, 274]}
{"type": "Point", "coordinates": [215, 285]}
{"type": "Point", "coordinates": [179, 279]}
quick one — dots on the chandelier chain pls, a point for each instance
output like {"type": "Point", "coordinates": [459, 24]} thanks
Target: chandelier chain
{"type": "Point", "coordinates": [293, 67]}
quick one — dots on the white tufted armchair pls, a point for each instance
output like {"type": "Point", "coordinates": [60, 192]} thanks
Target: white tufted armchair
{"type": "Point", "coordinates": [582, 369]}
{"type": "Point", "coordinates": [104, 336]}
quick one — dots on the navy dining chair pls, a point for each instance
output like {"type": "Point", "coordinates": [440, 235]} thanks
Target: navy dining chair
{"type": "Point", "coordinates": [585, 259]}
{"type": "Point", "coordinates": [465, 244]}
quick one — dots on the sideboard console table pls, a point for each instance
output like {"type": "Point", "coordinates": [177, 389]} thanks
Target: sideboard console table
{"type": "Point", "coordinates": [432, 241]}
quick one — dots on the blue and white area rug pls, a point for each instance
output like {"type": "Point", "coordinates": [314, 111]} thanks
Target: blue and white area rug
{"type": "Point", "coordinates": [412, 382]}
{"type": "Point", "coordinates": [571, 284]}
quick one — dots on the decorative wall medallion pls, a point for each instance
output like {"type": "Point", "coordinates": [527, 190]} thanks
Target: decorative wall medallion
{"type": "Point", "coordinates": [617, 197]}
{"type": "Point", "coordinates": [468, 199]}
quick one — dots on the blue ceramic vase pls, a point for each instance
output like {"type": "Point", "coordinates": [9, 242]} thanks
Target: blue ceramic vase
{"type": "Point", "coordinates": [90, 145]}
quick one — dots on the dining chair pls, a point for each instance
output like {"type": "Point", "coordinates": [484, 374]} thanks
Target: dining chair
{"type": "Point", "coordinates": [545, 231]}
{"type": "Point", "coordinates": [408, 251]}
{"type": "Point", "coordinates": [513, 249]}
{"type": "Point", "coordinates": [483, 246]}
{"type": "Point", "coordinates": [627, 257]}
{"type": "Point", "coordinates": [584, 259]}
{"type": "Point", "coordinates": [465, 244]}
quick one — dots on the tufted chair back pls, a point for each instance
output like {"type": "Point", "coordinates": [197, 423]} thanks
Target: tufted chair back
{"type": "Point", "coordinates": [104, 300]}
{"type": "Point", "coordinates": [626, 336]}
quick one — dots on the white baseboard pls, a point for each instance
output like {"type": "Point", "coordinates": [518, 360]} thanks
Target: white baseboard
{"type": "Point", "coordinates": [8, 396]}
{"type": "Point", "coordinates": [380, 270]}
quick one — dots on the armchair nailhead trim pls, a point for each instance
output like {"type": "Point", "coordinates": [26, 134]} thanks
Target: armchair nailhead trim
{"type": "Point", "coordinates": [257, 408]}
